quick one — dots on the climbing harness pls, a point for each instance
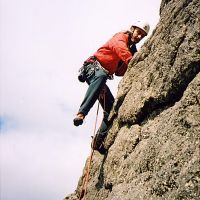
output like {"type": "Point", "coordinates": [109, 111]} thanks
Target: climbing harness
{"type": "Point", "coordinates": [86, 178]}
{"type": "Point", "coordinates": [95, 66]}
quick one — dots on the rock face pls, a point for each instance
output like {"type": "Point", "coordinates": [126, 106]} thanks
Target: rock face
{"type": "Point", "coordinates": [153, 144]}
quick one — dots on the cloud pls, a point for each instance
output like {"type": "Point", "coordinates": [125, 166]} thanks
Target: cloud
{"type": "Point", "coordinates": [36, 165]}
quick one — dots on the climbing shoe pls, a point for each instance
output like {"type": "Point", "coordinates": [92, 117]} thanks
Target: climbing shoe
{"type": "Point", "coordinates": [78, 120]}
{"type": "Point", "coordinates": [97, 144]}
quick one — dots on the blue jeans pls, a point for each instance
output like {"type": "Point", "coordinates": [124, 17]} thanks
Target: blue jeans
{"type": "Point", "coordinates": [96, 78]}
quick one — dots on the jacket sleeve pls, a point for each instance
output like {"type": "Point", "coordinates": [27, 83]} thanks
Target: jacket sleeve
{"type": "Point", "coordinates": [119, 45]}
{"type": "Point", "coordinates": [121, 69]}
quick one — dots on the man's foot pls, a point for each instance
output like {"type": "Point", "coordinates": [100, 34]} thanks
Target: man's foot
{"type": "Point", "coordinates": [78, 120]}
{"type": "Point", "coordinates": [97, 144]}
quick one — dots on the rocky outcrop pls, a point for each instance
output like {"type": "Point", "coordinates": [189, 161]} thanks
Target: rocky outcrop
{"type": "Point", "coordinates": [153, 144]}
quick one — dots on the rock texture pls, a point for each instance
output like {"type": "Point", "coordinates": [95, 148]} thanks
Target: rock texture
{"type": "Point", "coordinates": [153, 144]}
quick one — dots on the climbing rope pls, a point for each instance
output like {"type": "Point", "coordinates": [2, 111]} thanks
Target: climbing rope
{"type": "Point", "coordinates": [86, 178]}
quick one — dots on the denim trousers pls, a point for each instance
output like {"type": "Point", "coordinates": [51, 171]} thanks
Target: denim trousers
{"type": "Point", "coordinates": [96, 79]}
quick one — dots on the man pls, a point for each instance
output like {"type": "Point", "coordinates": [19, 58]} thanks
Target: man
{"type": "Point", "coordinates": [112, 58]}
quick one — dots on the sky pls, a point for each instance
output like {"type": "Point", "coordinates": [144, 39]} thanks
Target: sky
{"type": "Point", "coordinates": [43, 43]}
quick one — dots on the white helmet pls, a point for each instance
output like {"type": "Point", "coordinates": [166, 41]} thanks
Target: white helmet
{"type": "Point", "coordinates": [144, 26]}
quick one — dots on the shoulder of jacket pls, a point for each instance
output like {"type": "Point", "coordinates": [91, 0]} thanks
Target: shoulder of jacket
{"type": "Point", "coordinates": [122, 34]}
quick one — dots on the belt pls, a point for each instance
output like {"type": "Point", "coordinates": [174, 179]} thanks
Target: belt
{"type": "Point", "coordinates": [93, 60]}
{"type": "Point", "coordinates": [101, 67]}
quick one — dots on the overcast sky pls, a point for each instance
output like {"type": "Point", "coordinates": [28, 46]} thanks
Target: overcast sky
{"type": "Point", "coordinates": [43, 43]}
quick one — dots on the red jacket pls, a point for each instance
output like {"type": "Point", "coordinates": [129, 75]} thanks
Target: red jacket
{"type": "Point", "coordinates": [112, 52]}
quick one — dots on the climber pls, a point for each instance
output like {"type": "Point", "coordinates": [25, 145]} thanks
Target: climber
{"type": "Point", "coordinates": [112, 58]}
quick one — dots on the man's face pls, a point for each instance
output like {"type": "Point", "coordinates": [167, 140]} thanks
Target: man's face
{"type": "Point", "coordinates": [137, 35]}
